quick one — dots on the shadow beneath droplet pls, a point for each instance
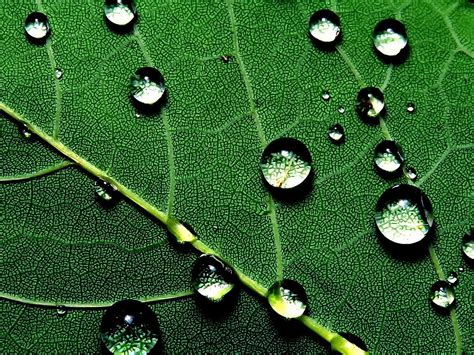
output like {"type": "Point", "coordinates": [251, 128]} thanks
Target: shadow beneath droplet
{"type": "Point", "coordinates": [395, 60]}
{"type": "Point", "coordinates": [325, 46]}
{"type": "Point", "coordinates": [37, 41]}
{"type": "Point", "coordinates": [218, 311]}
{"type": "Point", "coordinates": [121, 29]}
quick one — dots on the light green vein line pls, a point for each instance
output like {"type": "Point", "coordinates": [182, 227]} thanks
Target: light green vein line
{"type": "Point", "coordinates": [276, 233]}
{"type": "Point", "coordinates": [45, 171]}
{"type": "Point", "coordinates": [99, 305]}
{"type": "Point", "coordinates": [384, 128]}
{"type": "Point", "coordinates": [171, 164]}
{"type": "Point", "coordinates": [434, 167]}
{"type": "Point", "coordinates": [457, 331]}
{"type": "Point", "coordinates": [388, 76]}
{"type": "Point", "coordinates": [141, 44]}
{"type": "Point", "coordinates": [436, 263]}
{"type": "Point", "coordinates": [351, 66]}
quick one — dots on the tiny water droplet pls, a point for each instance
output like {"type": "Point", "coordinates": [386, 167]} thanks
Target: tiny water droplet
{"type": "Point", "coordinates": [325, 27]}
{"type": "Point", "coordinates": [226, 58]}
{"type": "Point", "coordinates": [390, 37]}
{"type": "Point", "coordinates": [442, 294]}
{"type": "Point", "coordinates": [285, 163]}
{"type": "Point", "coordinates": [388, 159]}
{"type": "Point", "coordinates": [212, 278]}
{"type": "Point", "coordinates": [147, 87]}
{"type": "Point", "coordinates": [37, 26]}
{"type": "Point", "coordinates": [468, 246]}
{"type": "Point", "coordinates": [411, 173]}
{"type": "Point", "coordinates": [58, 73]}
{"type": "Point", "coordinates": [336, 133]}
{"type": "Point", "coordinates": [129, 327]}
{"type": "Point", "coordinates": [370, 104]}
{"type": "Point", "coordinates": [106, 192]}
{"type": "Point", "coordinates": [341, 109]}
{"type": "Point", "coordinates": [411, 107]}
{"type": "Point", "coordinates": [326, 96]}
{"type": "Point", "coordinates": [138, 115]}
{"type": "Point", "coordinates": [61, 310]}
{"type": "Point", "coordinates": [452, 278]}
{"type": "Point", "coordinates": [25, 132]}
{"type": "Point", "coordinates": [288, 298]}
{"type": "Point", "coordinates": [404, 215]}
{"type": "Point", "coordinates": [120, 14]}
{"type": "Point", "coordinates": [461, 269]}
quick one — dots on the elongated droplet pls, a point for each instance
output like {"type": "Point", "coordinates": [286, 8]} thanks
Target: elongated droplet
{"type": "Point", "coordinates": [404, 215]}
{"type": "Point", "coordinates": [388, 159]}
{"type": "Point", "coordinates": [336, 134]}
{"type": "Point", "coordinates": [106, 192]}
{"type": "Point", "coordinates": [452, 278]}
{"type": "Point", "coordinates": [370, 104]}
{"type": "Point", "coordinates": [120, 14]}
{"type": "Point", "coordinates": [212, 278]}
{"type": "Point", "coordinates": [58, 73]}
{"type": "Point", "coordinates": [129, 327]}
{"type": "Point", "coordinates": [442, 294]}
{"type": "Point", "coordinates": [411, 173]}
{"type": "Point", "coordinates": [468, 246]}
{"type": "Point", "coordinates": [24, 131]}
{"type": "Point", "coordinates": [61, 311]}
{"type": "Point", "coordinates": [326, 96]}
{"type": "Point", "coordinates": [288, 298]}
{"type": "Point", "coordinates": [148, 87]}
{"type": "Point", "coordinates": [37, 26]}
{"type": "Point", "coordinates": [411, 107]}
{"type": "Point", "coordinates": [325, 27]}
{"type": "Point", "coordinates": [390, 37]}
{"type": "Point", "coordinates": [285, 163]}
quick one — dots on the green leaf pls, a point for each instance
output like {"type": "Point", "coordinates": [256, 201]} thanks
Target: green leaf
{"type": "Point", "coordinates": [197, 161]}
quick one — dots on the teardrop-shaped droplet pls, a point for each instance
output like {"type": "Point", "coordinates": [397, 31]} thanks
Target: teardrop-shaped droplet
{"type": "Point", "coordinates": [120, 14]}
{"type": "Point", "coordinates": [336, 134]}
{"type": "Point", "coordinates": [129, 327]}
{"type": "Point", "coordinates": [37, 26]}
{"type": "Point", "coordinates": [370, 104]}
{"type": "Point", "coordinates": [452, 278]}
{"type": "Point", "coordinates": [388, 159]}
{"type": "Point", "coordinates": [325, 27]}
{"type": "Point", "coordinates": [106, 193]}
{"type": "Point", "coordinates": [404, 214]}
{"type": "Point", "coordinates": [61, 310]}
{"type": "Point", "coordinates": [285, 163]}
{"type": "Point", "coordinates": [442, 294]}
{"type": "Point", "coordinates": [410, 107]}
{"type": "Point", "coordinates": [148, 87]}
{"type": "Point", "coordinates": [24, 131]}
{"type": "Point", "coordinates": [390, 38]}
{"type": "Point", "coordinates": [212, 278]}
{"type": "Point", "coordinates": [411, 173]}
{"type": "Point", "coordinates": [326, 96]}
{"type": "Point", "coordinates": [341, 109]}
{"type": "Point", "coordinates": [468, 246]}
{"type": "Point", "coordinates": [288, 298]}
{"type": "Point", "coordinates": [58, 73]}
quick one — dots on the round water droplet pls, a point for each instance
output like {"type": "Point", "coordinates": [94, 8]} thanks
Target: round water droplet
{"type": "Point", "coordinates": [148, 87]}
{"type": "Point", "coordinates": [341, 109]}
{"type": "Point", "coordinates": [388, 159]}
{"type": "Point", "coordinates": [325, 27]}
{"type": "Point", "coordinates": [390, 37]}
{"type": "Point", "coordinates": [106, 193]}
{"type": "Point", "coordinates": [61, 310]}
{"type": "Point", "coordinates": [58, 73]}
{"type": "Point", "coordinates": [336, 133]}
{"type": "Point", "coordinates": [24, 131]}
{"type": "Point", "coordinates": [411, 173]}
{"type": "Point", "coordinates": [212, 278]}
{"type": "Point", "coordinates": [120, 14]}
{"type": "Point", "coordinates": [404, 215]}
{"type": "Point", "coordinates": [226, 58]}
{"type": "Point", "coordinates": [288, 298]}
{"type": "Point", "coordinates": [129, 327]}
{"type": "Point", "coordinates": [326, 96]}
{"type": "Point", "coordinates": [370, 104]}
{"type": "Point", "coordinates": [442, 294]}
{"type": "Point", "coordinates": [37, 26]}
{"type": "Point", "coordinates": [411, 107]}
{"type": "Point", "coordinates": [285, 163]}
{"type": "Point", "coordinates": [468, 246]}
{"type": "Point", "coordinates": [461, 269]}
{"type": "Point", "coordinates": [452, 278]}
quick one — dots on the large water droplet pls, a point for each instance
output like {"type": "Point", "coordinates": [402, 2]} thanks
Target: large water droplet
{"type": "Point", "coordinates": [212, 278]}
{"type": "Point", "coordinates": [404, 214]}
{"type": "Point", "coordinates": [285, 163]}
{"type": "Point", "coordinates": [326, 96]}
{"type": "Point", "coordinates": [410, 107]}
{"type": "Point", "coordinates": [107, 193]}
{"type": "Point", "coordinates": [452, 278]}
{"type": "Point", "coordinates": [325, 27]}
{"type": "Point", "coordinates": [442, 294]}
{"type": "Point", "coordinates": [411, 173]}
{"type": "Point", "coordinates": [468, 246]}
{"type": "Point", "coordinates": [370, 104]}
{"type": "Point", "coordinates": [37, 27]}
{"type": "Point", "coordinates": [120, 15]}
{"type": "Point", "coordinates": [129, 327]}
{"type": "Point", "coordinates": [288, 298]}
{"type": "Point", "coordinates": [336, 134]}
{"type": "Point", "coordinates": [388, 159]}
{"type": "Point", "coordinates": [58, 73]}
{"type": "Point", "coordinates": [148, 87]}
{"type": "Point", "coordinates": [390, 38]}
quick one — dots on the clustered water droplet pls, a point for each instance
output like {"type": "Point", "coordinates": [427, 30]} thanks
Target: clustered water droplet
{"type": "Point", "coordinates": [325, 27]}
{"type": "Point", "coordinates": [336, 134]}
{"type": "Point", "coordinates": [388, 159]}
{"type": "Point", "coordinates": [390, 38]}
{"type": "Point", "coordinates": [442, 294]}
{"type": "Point", "coordinates": [37, 27]}
{"type": "Point", "coordinates": [288, 298]}
{"type": "Point", "coordinates": [370, 104]}
{"type": "Point", "coordinates": [147, 87]}
{"type": "Point", "coordinates": [212, 278]}
{"type": "Point", "coordinates": [120, 15]}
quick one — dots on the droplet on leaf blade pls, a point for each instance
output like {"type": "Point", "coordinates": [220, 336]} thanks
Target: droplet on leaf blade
{"type": "Point", "coordinates": [58, 73]}
{"type": "Point", "coordinates": [388, 159]}
{"type": "Point", "coordinates": [468, 246]}
{"type": "Point", "coordinates": [336, 134]}
{"type": "Point", "coordinates": [442, 294]}
{"type": "Point", "coordinates": [390, 40]}
{"type": "Point", "coordinates": [147, 88]}
{"type": "Point", "coordinates": [107, 194]}
{"type": "Point", "coordinates": [411, 107]}
{"type": "Point", "coordinates": [37, 27]}
{"type": "Point", "coordinates": [120, 15]}
{"type": "Point", "coordinates": [325, 28]}
{"type": "Point", "coordinates": [452, 278]}
{"type": "Point", "coordinates": [411, 173]}
{"type": "Point", "coordinates": [288, 298]}
{"type": "Point", "coordinates": [370, 104]}
{"type": "Point", "coordinates": [326, 96]}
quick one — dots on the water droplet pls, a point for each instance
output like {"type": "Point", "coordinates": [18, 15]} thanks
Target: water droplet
{"type": "Point", "coordinates": [288, 298]}
{"type": "Point", "coordinates": [129, 327]}
{"type": "Point", "coordinates": [58, 73]}
{"type": "Point", "coordinates": [212, 278]}
{"type": "Point", "coordinates": [61, 310]}
{"type": "Point", "coordinates": [370, 104]}
{"type": "Point", "coordinates": [461, 269]}
{"type": "Point", "coordinates": [388, 159]}
{"type": "Point", "coordinates": [403, 215]}
{"type": "Point", "coordinates": [325, 27]}
{"type": "Point", "coordinates": [326, 96]}
{"type": "Point", "coordinates": [120, 14]}
{"type": "Point", "coordinates": [411, 173]}
{"type": "Point", "coordinates": [442, 294]}
{"type": "Point", "coordinates": [25, 132]}
{"type": "Point", "coordinates": [468, 246]}
{"type": "Point", "coordinates": [336, 133]}
{"type": "Point", "coordinates": [285, 163]}
{"type": "Point", "coordinates": [341, 109]}
{"type": "Point", "coordinates": [148, 87]}
{"type": "Point", "coordinates": [452, 278]}
{"type": "Point", "coordinates": [106, 193]}
{"type": "Point", "coordinates": [390, 37]}
{"type": "Point", "coordinates": [138, 115]}
{"type": "Point", "coordinates": [411, 107]}
{"type": "Point", "coordinates": [226, 58]}
{"type": "Point", "coordinates": [37, 26]}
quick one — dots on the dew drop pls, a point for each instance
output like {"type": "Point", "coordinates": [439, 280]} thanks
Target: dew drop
{"type": "Point", "coordinates": [288, 298]}
{"type": "Point", "coordinates": [129, 327]}
{"type": "Point", "coordinates": [326, 96]}
{"type": "Point", "coordinates": [147, 87]}
{"type": "Point", "coordinates": [212, 278]}
{"type": "Point", "coordinates": [37, 26]}
{"type": "Point", "coordinates": [325, 27]}
{"type": "Point", "coordinates": [411, 173]}
{"type": "Point", "coordinates": [468, 246]}
{"type": "Point", "coordinates": [410, 107]}
{"type": "Point", "coordinates": [442, 294]}
{"type": "Point", "coordinates": [452, 278]}
{"type": "Point", "coordinates": [25, 132]}
{"type": "Point", "coordinates": [461, 269]}
{"type": "Point", "coordinates": [120, 14]}
{"type": "Point", "coordinates": [388, 159]}
{"type": "Point", "coordinates": [226, 58]}
{"type": "Point", "coordinates": [390, 37]}
{"type": "Point", "coordinates": [370, 104]}
{"type": "Point", "coordinates": [403, 215]}
{"type": "Point", "coordinates": [336, 134]}
{"type": "Point", "coordinates": [58, 73]}
{"type": "Point", "coordinates": [61, 310]}
{"type": "Point", "coordinates": [285, 163]}
{"type": "Point", "coordinates": [341, 109]}
{"type": "Point", "coordinates": [106, 193]}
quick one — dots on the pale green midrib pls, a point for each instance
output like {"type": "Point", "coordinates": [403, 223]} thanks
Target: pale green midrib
{"type": "Point", "coordinates": [46, 171]}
